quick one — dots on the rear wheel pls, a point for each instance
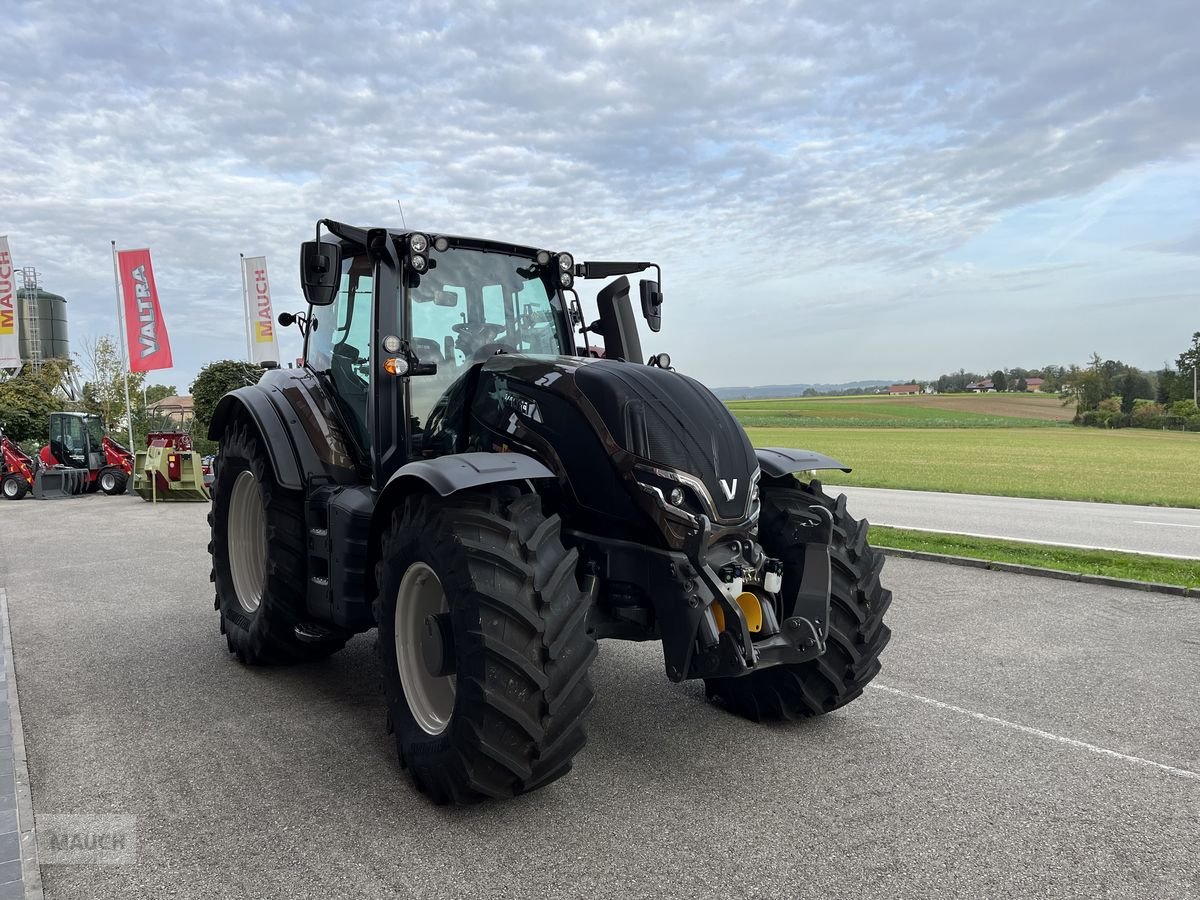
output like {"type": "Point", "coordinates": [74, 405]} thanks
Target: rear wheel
{"type": "Point", "coordinates": [857, 603]}
{"type": "Point", "coordinates": [483, 644]}
{"type": "Point", "coordinates": [112, 481]}
{"type": "Point", "coordinates": [14, 486]}
{"type": "Point", "coordinates": [259, 558]}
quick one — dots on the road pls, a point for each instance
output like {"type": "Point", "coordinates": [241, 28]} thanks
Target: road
{"type": "Point", "coordinates": [1107, 526]}
{"type": "Point", "coordinates": [1027, 738]}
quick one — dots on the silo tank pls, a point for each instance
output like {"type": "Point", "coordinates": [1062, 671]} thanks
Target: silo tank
{"type": "Point", "coordinates": [51, 312]}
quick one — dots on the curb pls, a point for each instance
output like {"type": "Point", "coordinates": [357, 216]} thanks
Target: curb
{"type": "Point", "coordinates": [972, 563]}
{"type": "Point", "coordinates": [30, 870]}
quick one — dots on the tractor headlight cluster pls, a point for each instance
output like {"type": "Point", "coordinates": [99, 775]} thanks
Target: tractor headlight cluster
{"type": "Point", "coordinates": [565, 263]}
{"type": "Point", "coordinates": [418, 246]}
{"type": "Point", "coordinates": [543, 257]}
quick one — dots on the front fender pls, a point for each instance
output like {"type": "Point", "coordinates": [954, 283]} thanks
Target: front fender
{"type": "Point", "coordinates": [444, 475]}
{"type": "Point", "coordinates": [447, 474]}
{"type": "Point", "coordinates": [779, 461]}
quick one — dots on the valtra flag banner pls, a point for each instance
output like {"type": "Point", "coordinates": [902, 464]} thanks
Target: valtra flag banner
{"type": "Point", "coordinates": [10, 348]}
{"type": "Point", "coordinates": [260, 323]}
{"type": "Point", "coordinates": [145, 330]}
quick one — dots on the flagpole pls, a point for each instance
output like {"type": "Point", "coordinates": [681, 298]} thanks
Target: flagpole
{"type": "Point", "coordinates": [122, 341]}
{"type": "Point", "coordinates": [246, 308]}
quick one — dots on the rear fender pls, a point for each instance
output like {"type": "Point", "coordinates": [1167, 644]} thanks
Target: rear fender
{"type": "Point", "coordinates": [255, 403]}
{"type": "Point", "coordinates": [776, 462]}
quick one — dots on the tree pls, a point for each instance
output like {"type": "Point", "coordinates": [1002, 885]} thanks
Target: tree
{"type": "Point", "coordinates": [1165, 392]}
{"type": "Point", "coordinates": [1189, 358]}
{"type": "Point", "coordinates": [1128, 391]}
{"type": "Point", "coordinates": [1022, 384]}
{"type": "Point", "coordinates": [104, 384]}
{"type": "Point", "coordinates": [999, 380]}
{"type": "Point", "coordinates": [28, 398]}
{"type": "Point", "coordinates": [215, 381]}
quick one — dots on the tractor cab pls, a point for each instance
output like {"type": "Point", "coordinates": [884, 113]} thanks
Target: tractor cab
{"type": "Point", "coordinates": [76, 441]}
{"type": "Point", "coordinates": [400, 323]}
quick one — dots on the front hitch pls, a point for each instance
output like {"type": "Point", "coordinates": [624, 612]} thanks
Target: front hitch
{"type": "Point", "coordinates": [733, 651]}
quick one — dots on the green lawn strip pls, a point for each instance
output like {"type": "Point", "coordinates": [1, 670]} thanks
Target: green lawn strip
{"type": "Point", "coordinates": [1129, 465]}
{"type": "Point", "coordinates": [922, 418]}
{"type": "Point", "coordinates": [1129, 566]}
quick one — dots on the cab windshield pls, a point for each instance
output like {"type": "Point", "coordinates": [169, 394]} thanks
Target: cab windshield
{"type": "Point", "coordinates": [473, 303]}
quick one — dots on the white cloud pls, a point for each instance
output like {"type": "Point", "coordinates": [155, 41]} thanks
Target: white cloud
{"type": "Point", "coordinates": [865, 139]}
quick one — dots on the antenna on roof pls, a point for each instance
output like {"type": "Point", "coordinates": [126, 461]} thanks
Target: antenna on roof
{"type": "Point", "coordinates": [402, 222]}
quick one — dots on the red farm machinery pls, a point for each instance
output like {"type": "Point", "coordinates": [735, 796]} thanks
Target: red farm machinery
{"type": "Point", "coordinates": [17, 470]}
{"type": "Point", "coordinates": [169, 468]}
{"type": "Point", "coordinates": [81, 458]}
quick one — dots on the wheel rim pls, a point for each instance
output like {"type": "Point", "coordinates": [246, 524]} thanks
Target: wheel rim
{"type": "Point", "coordinates": [430, 697]}
{"type": "Point", "coordinates": [247, 541]}
{"type": "Point", "coordinates": [10, 488]}
{"type": "Point", "coordinates": [107, 482]}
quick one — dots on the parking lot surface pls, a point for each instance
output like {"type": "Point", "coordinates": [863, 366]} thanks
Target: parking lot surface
{"type": "Point", "coordinates": [1026, 738]}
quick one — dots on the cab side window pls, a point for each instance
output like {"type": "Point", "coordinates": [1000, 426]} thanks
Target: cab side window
{"type": "Point", "coordinates": [339, 342]}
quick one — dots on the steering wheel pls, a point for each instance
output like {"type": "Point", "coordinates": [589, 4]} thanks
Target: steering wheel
{"type": "Point", "coordinates": [481, 331]}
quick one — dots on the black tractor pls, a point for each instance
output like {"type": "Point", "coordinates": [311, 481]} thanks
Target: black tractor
{"type": "Point", "coordinates": [454, 466]}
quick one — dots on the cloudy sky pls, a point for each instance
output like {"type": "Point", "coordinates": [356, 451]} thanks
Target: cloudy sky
{"type": "Point", "coordinates": [835, 190]}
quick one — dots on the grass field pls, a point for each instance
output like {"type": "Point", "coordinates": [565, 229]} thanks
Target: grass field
{"type": "Point", "coordinates": [920, 411]}
{"type": "Point", "coordinates": [1133, 566]}
{"type": "Point", "coordinates": [1126, 466]}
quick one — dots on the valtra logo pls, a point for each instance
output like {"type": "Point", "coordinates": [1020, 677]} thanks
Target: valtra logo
{"type": "Point", "coordinates": [7, 314]}
{"type": "Point", "coordinates": [148, 330]}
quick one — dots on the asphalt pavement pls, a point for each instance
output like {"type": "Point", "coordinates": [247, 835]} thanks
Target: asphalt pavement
{"type": "Point", "coordinates": [1166, 531]}
{"type": "Point", "coordinates": [1026, 738]}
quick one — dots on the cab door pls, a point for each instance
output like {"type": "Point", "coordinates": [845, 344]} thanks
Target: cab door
{"type": "Point", "coordinates": [69, 440]}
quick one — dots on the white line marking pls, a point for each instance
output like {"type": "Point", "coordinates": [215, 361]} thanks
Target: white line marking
{"type": "Point", "coordinates": [1168, 524]}
{"type": "Point", "coordinates": [1037, 732]}
{"type": "Point", "coordinates": [1022, 540]}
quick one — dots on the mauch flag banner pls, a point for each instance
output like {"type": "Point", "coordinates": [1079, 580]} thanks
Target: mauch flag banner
{"type": "Point", "coordinates": [145, 331]}
{"type": "Point", "coordinates": [10, 346]}
{"type": "Point", "coordinates": [259, 322]}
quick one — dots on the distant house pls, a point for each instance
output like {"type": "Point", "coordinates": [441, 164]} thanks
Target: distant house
{"type": "Point", "coordinates": [172, 404]}
{"type": "Point", "coordinates": [904, 389]}
{"type": "Point", "coordinates": [1035, 384]}
{"type": "Point", "coordinates": [981, 387]}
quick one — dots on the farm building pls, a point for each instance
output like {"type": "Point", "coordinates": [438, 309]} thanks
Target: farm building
{"type": "Point", "coordinates": [904, 389]}
{"type": "Point", "coordinates": [1035, 384]}
{"type": "Point", "coordinates": [981, 387]}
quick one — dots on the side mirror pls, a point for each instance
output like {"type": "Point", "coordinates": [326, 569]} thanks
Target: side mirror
{"type": "Point", "coordinates": [320, 271]}
{"type": "Point", "coordinates": [651, 303]}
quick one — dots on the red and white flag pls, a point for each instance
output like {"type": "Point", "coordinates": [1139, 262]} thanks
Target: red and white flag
{"type": "Point", "coordinates": [10, 336]}
{"type": "Point", "coordinates": [260, 323]}
{"type": "Point", "coordinates": [145, 330]}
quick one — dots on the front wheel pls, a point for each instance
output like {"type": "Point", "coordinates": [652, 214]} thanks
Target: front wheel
{"type": "Point", "coordinates": [14, 486]}
{"type": "Point", "coordinates": [857, 603]}
{"type": "Point", "coordinates": [483, 644]}
{"type": "Point", "coordinates": [113, 481]}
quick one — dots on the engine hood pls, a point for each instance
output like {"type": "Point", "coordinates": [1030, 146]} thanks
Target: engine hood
{"type": "Point", "coordinates": [674, 422]}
